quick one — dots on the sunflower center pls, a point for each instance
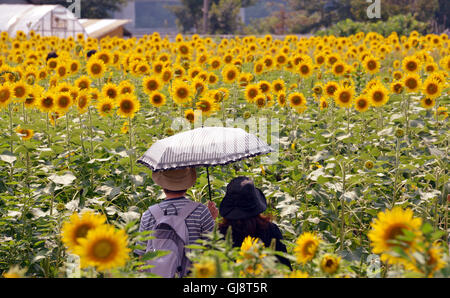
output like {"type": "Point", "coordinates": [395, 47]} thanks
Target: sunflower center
{"type": "Point", "coordinates": [339, 68]}
{"type": "Point", "coordinates": [308, 248]}
{"type": "Point", "coordinates": [371, 65]}
{"type": "Point", "coordinates": [4, 95]}
{"type": "Point", "coordinates": [152, 85]}
{"type": "Point", "coordinates": [329, 263]}
{"type": "Point", "coordinates": [82, 231]}
{"type": "Point", "coordinates": [304, 69]}
{"type": "Point", "coordinates": [428, 102]}
{"type": "Point", "coordinates": [264, 87]}
{"type": "Point", "coordinates": [47, 102]}
{"type": "Point", "coordinates": [252, 93]}
{"type": "Point", "coordinates": [394, 232]}
{"type": "Point", "coordinates": [378, 96]}
{"type": "Point", "coordinates": [126, 106]}
{"type": "Point", "coordinates": [296, 100]}
{"type": "Point", "coordinates": [411, 83]}
{"type": "Point", "coordinates": [106, 108]}
{"type": "Point", "coordinates": [344, 97]}
{"type": "Point", "coordinates": [331, 90]}
{"type": "Point", "coordinates": [20, 91]}
{"type": "Point", "coordinates": [432, 88]}
{"type": "Point", "coordinates": [157, 99]}
{"type": "Point", "coordinates": [96, 68]}
{"type": "Point", "coordinates": [362, 103]}
{"type": "Point", "coordinates": [182, 92]}
{"type": "Point", "coordinates": [190, 117]}
{"type": "Point", "coordinates": [111, 93]}
{"type": "Point", "coordinates": [103, 249]}
{"type": "Point", "coordinates": [411, 66]}
{"type": "Point", "coordinates": [62, 71]}
{"type": "Point", "coordinates": [231, 75]}
{"type": "Point", "coordinates": [63, 101]}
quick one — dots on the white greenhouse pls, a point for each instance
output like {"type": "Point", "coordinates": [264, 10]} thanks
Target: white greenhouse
{"type": "Point", "coordinates": [46, 20]}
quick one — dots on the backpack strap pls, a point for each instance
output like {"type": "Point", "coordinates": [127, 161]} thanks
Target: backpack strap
{"type": "Point", "coordinates": [156, 211]}
{"type": "Point", "coordinates": [188, 209]}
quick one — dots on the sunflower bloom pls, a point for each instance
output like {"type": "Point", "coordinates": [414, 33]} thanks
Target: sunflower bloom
{"type": "Point", "coordinates": [78, 226]}
{"type": "Point", "coordinates": [329, 263]}
{"type": "Point", "coordinates": [205, 269]}
{"type": "Point", "coordinates": [388, 226]}
{"type": "Point", "coordinates": [306, 247]}
{"type": "Point", "coordinates": [127, 105]}
{"type": "Point", "coordinates": [103, 247]}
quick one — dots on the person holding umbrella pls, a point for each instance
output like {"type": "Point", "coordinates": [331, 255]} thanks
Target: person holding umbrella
{"type": "Point", "coordinates": [242, 209]}
{"type": "Point", "coordinates": [198, 218]}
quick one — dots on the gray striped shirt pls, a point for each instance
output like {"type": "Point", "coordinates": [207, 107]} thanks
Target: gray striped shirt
{"type": "Point", "coordinates": [198, 223]}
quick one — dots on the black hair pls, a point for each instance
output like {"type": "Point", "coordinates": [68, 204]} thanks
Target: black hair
{"type": "Point", "coordinates": [90, 53]}
{"type": "Point", "coordinates": [51, 55]}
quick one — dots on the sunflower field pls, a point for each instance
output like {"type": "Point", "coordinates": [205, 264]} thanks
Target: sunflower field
{"type": "Point", "coordinates": [360, 187]}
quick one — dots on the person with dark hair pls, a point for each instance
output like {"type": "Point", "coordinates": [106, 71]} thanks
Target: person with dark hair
{"type": "Point", "coordinates": [51, 55]}
{"type": "Point", "coordinates": [90, 53]}
{"type": "Point", "coordinates": [242, 209]}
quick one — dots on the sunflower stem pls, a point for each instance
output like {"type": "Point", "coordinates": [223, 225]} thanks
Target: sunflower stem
{"type": "Point", "coordinates": [130, 121]}
{"type": "Point", "coordinates": [11, 128]}
{"type": "Point", "coordinates": [68, 139]}
{"type": "Point", "coordinates": [342, 165]}
{"type": "Point", "coordinates": [90, 132]}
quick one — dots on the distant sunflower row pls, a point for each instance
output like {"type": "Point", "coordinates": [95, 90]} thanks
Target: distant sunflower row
{"type": "Point", "coordinates": [199, 74]}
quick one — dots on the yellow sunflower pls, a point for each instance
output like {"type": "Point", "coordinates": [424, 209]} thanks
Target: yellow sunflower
{"type": "Point", "coordinates": [428, 102]}
{"type": "Point", "coordinates": [297, 274]}
{"type": "Point", "coordinates": [207, 106]}
{"type": "Point", "coordinates": [278, 86]}
{"type": "Point", "coordinates": [105, 107]}
{"type": "Point", "coordinates": [362, 104]}
{"type": "Point", "coordinates": [205, 269]}
{"type": "Point", "coordinates": [96, 68]}
{"type": "Point", "coordinates": [181, 92]}
{"type": "Point", "coordinates": [306, 247]}
{"type": "Point", "coordinates": [152, 84]}
{"type": "Point", "coordinates": [343, 96]}
{"type": "Point", "coordinates": [157, 99]}
{"type": "Point", "coordinates": [189, 115]}
{"type": "Point", "coordinates": [127, 105]}
{"type": "Point", "coordinates": [412, 82]}
{"type": "Point", "coordinates": [83, 82]}
{"type": "Point", "coordinates": [371, 65]}
{"type": "Point", "coordinates": [63, 102]}
{"type": "Point", "coordinates": [46, 102]}
{"type": "Point", "coordinates": [103, 247]}
{"type": "Point", "coordinates": [432, 88]}
{"type": "Point", "coordinates": [264, 86]}
{"type": "Point", "coordinates": [26, 134]}
{"type": "Point", "coordinates": [330, 263]}
{"type": "Point", "coordinates": [411, 64]}
{"type": "Point", "coordinates": [6, 95]}
{"type": "Point", "coordinates": [386, 229]}
{"type": "Point", "coordinates": [296, 100]}
{"type": "Point", "coordinates": [330, 88]}
{"type": "Point", "coordinates": [230, 73]}
{"type": "Point", "coordinates": [78, 226]}
{"type": "Point", "coordinates": [110, 91]}
{"type": "Point", "coordinates": [378, 95]}
{"type": "Point", "coordinates": [20, 89]}
{"type": "Point", "coordinates": [251, 92]}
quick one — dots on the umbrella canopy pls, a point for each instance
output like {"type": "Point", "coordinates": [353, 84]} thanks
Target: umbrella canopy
{"type": "Point", "coordinates": [206, 146]}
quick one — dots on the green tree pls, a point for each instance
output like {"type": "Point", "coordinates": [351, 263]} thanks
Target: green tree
{"type": "Point", "coordinates": [90, 9]}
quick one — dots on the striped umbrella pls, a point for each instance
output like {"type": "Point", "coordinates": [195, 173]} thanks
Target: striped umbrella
{"type": "Point", "coordinates": [206, 146]}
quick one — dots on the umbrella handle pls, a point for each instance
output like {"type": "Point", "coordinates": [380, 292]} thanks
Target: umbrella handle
{"type": "Point", "coordinates": [209, 184]}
